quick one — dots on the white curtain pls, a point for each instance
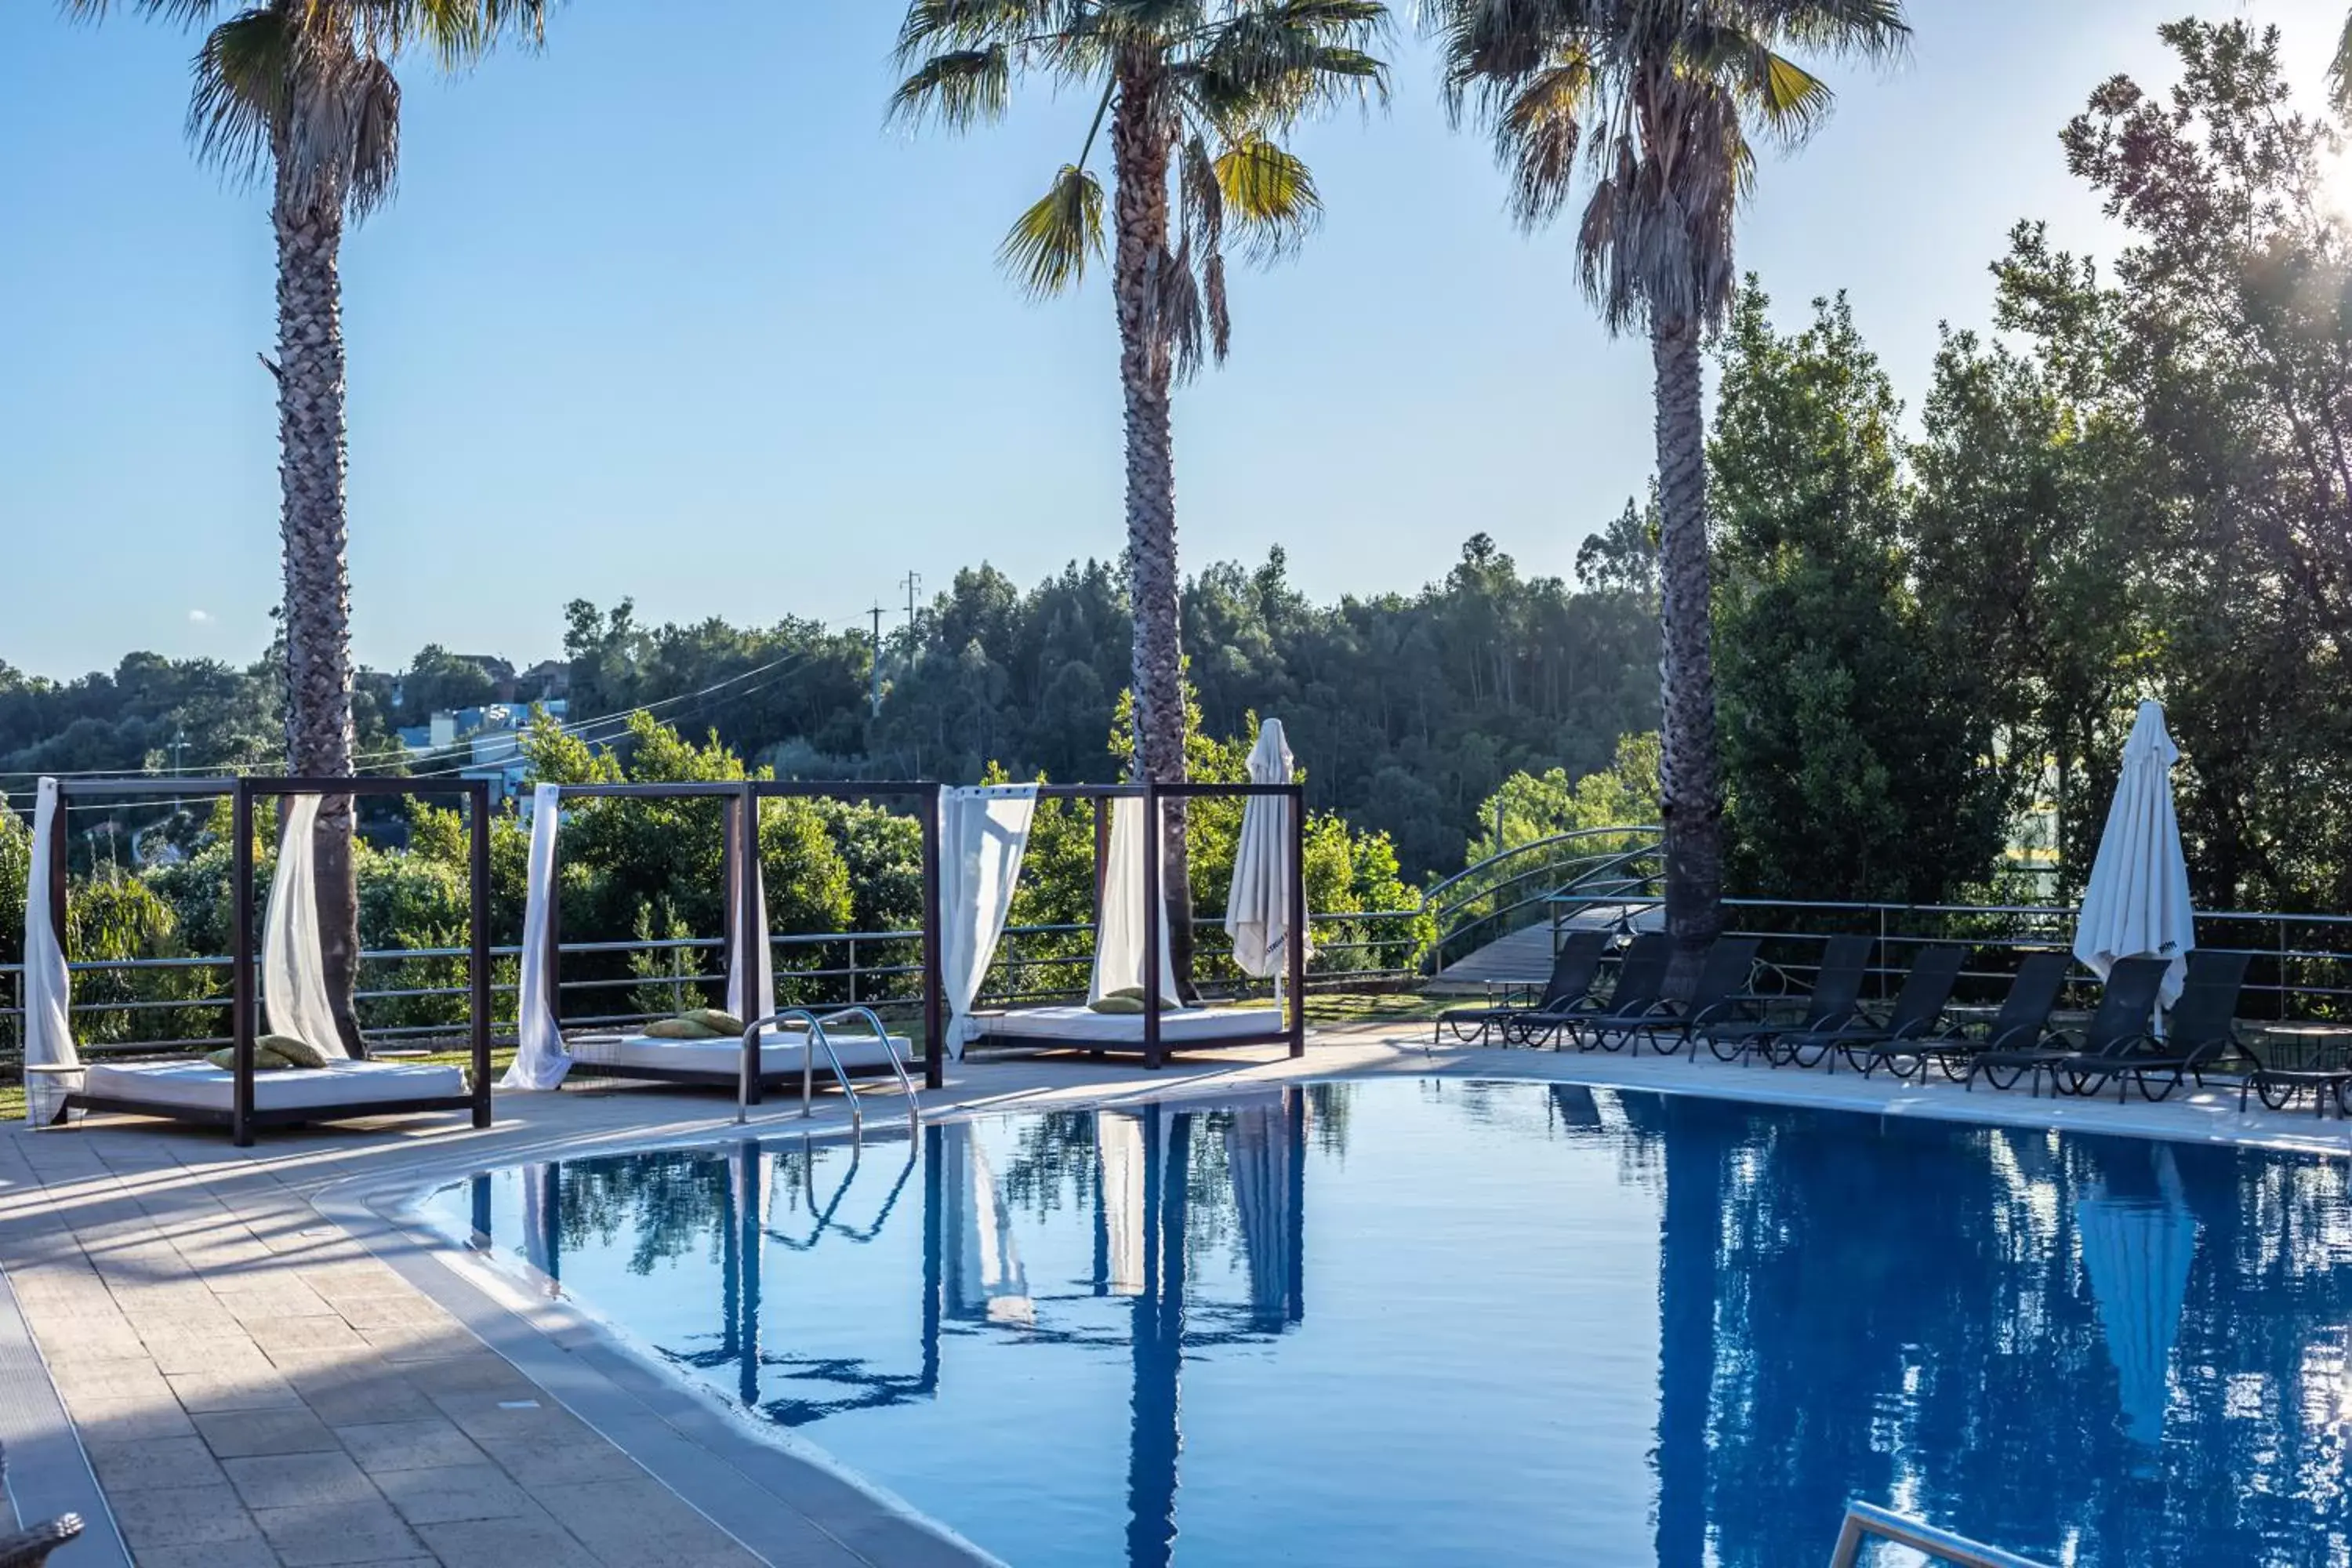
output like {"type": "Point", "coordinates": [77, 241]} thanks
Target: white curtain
{"type": "Point", "coordinates": [2138, 899]}
{"type": "Point", "coordinates": [983, 832]}
{"type": "Point", "coordinates": [1120, 1161]}
{"type": "Point", "coordinates": [541, 1058]}
{"type": "Point", "coordinates": [1257, 908]}
{"type": "Point", "coordinates": [293, 964]}
{"type": "Point", "coordinates": [48, 1030]}
{"type": "Point", "coordinates": [985, 1277]}
{"type": "Point", "coordinates": [1118, 925]}
{"type": "Point", "coordinates": [761, 1001]}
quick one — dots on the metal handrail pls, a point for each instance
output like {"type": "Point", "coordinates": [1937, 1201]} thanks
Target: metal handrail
{"type": "Point", "coordinates": [751, 1060]}
{"type": "Point", "coordinates": [889, 1054]}
{"type": "Point", "coordinates": [1866, 1520]}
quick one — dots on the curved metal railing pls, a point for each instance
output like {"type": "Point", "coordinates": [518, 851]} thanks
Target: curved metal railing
{"type": "Point", "coordinates": [1868, 1519]}
{"type": "Point", "coordinates": [808, 1064]}
{"type": "Point", "coordinates": [889, 1054]}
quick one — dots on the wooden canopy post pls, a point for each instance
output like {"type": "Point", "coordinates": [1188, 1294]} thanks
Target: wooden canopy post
{"type": "Point", "coordinates": [935, 1045]}
{"type": "Point", "coordinates": [478, 955]}
{"type": "Point", "coordinates": [241, 981]}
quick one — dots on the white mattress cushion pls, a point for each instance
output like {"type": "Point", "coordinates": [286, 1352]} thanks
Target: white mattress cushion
{"type": "Point", "coordinates": [200, 1085]}
{"type": "Point", "coordinates": [779, 1052]}
{"type": "Point", "coordinates": [1084, 1024]}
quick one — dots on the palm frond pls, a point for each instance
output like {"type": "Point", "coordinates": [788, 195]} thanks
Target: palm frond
{"type": "Point", "coordinates": [1200, 194]}
{"type": "Point", "coordinates": [959, 89]}
{"type": "Point", "coordinates": [245, 74]}
{"type": "Point", "coordinates": [1873, 29]}
{"type": "Point", "coordinates": [1537, 133]}
{"type": "Point", "coordinates": [2339, 74]}
{"type": "Point", "coordinates": [933, 25]}
{"type": "Point", "coordinates": [1213, 298]}
{"type": "Point", "coordinates": [1270, 199]}
{"type": "Point", "coordinates": [1049, 245]}
{"type": "Point", "coordinates": [1175, 300]}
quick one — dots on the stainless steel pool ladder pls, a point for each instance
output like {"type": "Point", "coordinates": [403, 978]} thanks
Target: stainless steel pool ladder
{"type": "Point", "coordinates": [889, 1054]}
{"type": "Point", "coordinates": [808, 1062]}
{"type": "Point", "coordinates": [819, 1040]}
{"type": "Point", "coordinates": [1864, 1520]}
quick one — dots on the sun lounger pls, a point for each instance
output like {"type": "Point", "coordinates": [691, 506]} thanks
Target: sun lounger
{"type": "Point", "coordinates": [2200, 1031]}
{"type": "Point", "coordinates": [1918, 1008]}
{"type": "Point", "coordinates": [1834, 1001]}
{"type": "Point", "coordinates": [1640, 982]}
{"type": "Point", "coordinates": [1575, 969]}
{"type": "Point", "coordinates": [2021, 1025]}
{"type": "Point", "coordinates": [2121, 1017]}
{"type": "Point", "coordinates": [1725, 993]}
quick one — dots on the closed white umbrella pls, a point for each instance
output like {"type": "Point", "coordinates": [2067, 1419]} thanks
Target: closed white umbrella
{"type": "Point", "coordinates": [1257, 910]}
{"type": "Point", "coordinates": [2138, 899]}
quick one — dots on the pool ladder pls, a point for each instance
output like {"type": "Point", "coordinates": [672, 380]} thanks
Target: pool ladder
{"type": "Point", "coordinates": [1863, 1520]}
{"type": "Point", "coordinates": [819, 1039]}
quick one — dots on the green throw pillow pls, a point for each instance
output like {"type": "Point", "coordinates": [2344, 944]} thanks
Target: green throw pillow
{"type": "Point", "coordinates": [264, 1058]}
{"type": "Point", "coordinates": [1135, 994]}
{"type": "Point", "coordinates": [1117, 1002]}
{"type": "Point", "coordinates": [714, 1020]}
{"type": "Point", "coordinates": [679, 1029]}
{"type": "Point", "coordinates": [289, 1051]}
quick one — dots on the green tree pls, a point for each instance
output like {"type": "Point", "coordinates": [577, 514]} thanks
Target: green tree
{"type": "Point", "coordinates": [1854, 756]}
{"type": "Point", "coordinates": [302, 91]}
{"type": "Point", "coordinates": [1659, 99]}
{"type": "Point", "coordinates": [1196, 94]}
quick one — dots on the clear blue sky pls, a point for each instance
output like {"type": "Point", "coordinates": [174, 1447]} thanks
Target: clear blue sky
{"type": "Point", "coordinates": [667, 311]}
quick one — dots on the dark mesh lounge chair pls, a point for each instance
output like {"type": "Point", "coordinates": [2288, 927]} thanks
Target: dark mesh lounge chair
{"type": "Point", "coordinates": [1835, 1002]}
{"type": "Point", "coordinates": [2023, 1024]}
{"type": "Point", "coordinates": [30, 1547]}
{"type": "Point", "coordinates": [2202, 1029]}
{"type": "Point", "coordinates": [1641, 984]}
{"type": "Point", "coordinates": [1725, 993]}
{"type": "Point", "coordinates": [1918, 1006]}
{"type": "Point", "coordinates": [2121, 1017]}
{"type": "Point", "coordinates": [1574, 970]}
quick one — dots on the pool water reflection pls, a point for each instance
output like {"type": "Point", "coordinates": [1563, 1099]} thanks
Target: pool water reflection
{"type": "Point", "coordinates": [1434, 1321]}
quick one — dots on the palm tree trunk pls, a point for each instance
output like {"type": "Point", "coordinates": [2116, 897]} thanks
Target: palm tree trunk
{"type": "Point", "coordinates": [1690, 793]}
{"type": "Point", "coordinates": [1140, 144]}
{"type": "Point", "coordinates": [318, 585]}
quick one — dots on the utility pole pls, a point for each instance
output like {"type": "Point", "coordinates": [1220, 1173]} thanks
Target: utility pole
{"type": "Point", "coordinates": [914, 581]}
{"type": "Point", "coordinates": [179, 744]}
{"type": "Point", "coordinates": [877, 613]}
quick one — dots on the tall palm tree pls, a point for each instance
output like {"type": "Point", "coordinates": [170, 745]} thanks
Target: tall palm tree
{"type": "Point", "coordinates": [302, 92]}
{"type": "Point", "coordinates": [1659, 103]}
{"type": "Point", "coordinates": [1196, 93]}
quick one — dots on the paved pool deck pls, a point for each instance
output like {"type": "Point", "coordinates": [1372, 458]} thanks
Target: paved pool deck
{"type": "Point", "coordinates": [257, 1357]}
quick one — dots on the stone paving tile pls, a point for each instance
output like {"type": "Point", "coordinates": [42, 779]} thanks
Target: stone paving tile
{"type": "Point", "coordinates": [253, 1552]}
{"type": "Point", "coordinates": [365, 1530]}
{"type": "Point", "coordinates": [360, 1397]}
{"type": "Point", "coordinates": [142, 1464]}
{"type": "Point", "coordinates": [457, 1492]}
{"type": "Point", "coordinates": [535, 1464]}
{"type": "Point", "coordinates": [298, 1480]}
{"type": "Point", "coordinates": [503, 1543]}
{"type": "Point", "coordinates": [244, 1434]}
{"type": "Point", "coordinates": [408, 1446]}
{"type": "Point", "coordinates": [182, 1516]}
{"type": "Point", "coordinates": [128, 1420]}
{"type": "Point", "coordinates": [635, 1521]}
{"type": "Point", "coordinates": [201, 1391]}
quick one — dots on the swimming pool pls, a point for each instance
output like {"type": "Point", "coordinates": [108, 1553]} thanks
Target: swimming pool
{"type": "Point", "coordinates": [1439, 1321]}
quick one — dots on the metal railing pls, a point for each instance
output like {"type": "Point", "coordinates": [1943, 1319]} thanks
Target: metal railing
{"type": "Point", "coordinates": [2303, 962]}
{"type": "Point", "coordinates": [877, 970]}
{"type": "Point", "coordinates": [1508, 890]}
{"type": "Point", "coordinates": [1869, 1521]}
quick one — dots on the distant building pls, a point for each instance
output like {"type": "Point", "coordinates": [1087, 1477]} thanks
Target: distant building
{"type": "Point", "coordinates": [488, 739]}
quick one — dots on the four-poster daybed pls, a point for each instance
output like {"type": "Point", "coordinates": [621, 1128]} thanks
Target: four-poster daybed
{"type": "Point", "coordinates": [983, 832]}
{"type": "Point", "coordinates": [290, 987]}
{"type": "Point", "coordinates": [764, 1056]}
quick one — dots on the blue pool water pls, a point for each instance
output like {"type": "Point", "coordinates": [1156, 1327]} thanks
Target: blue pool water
{"type": "Point", "coordinates": [1439, 1322]}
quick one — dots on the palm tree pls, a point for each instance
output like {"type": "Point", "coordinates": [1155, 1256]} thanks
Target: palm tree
{"type": "Point", "coordinates": [1655, 101]}
{"type": "Point", "coordinates": [303, 91]}
{"type": "Point", "coordinates": [1196, 93]}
